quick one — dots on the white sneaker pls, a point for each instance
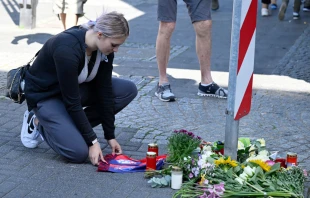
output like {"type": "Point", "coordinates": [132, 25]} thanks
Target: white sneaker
{"type": "Point", "coordinates": [265, 12]}
{"type": "Point", "coordinates": [29, 132]}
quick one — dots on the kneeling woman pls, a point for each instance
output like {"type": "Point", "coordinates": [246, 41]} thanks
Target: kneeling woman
{"type": "Point", "coordinates": [69, 90]}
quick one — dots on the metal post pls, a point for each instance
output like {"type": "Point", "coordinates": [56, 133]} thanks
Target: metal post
{"type": "Point", "coordinates": [232, 126]}
{"type": "Point", "coordinates": [28, 10]}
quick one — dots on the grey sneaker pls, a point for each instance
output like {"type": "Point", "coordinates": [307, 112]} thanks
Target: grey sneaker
{"type": "Point", "coordinates": [163, 92]}
{"type": "Point", "coordinates": [282, 10]}
{"type": "Point", "coordinates": [212, 90]}
{"type": "Point", "coordinates": [215, 5]}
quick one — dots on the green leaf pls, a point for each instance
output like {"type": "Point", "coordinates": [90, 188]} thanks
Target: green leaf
{"type": "Point", "coordinates": [210, 160]}
{"type": "Point", "coordinates": [274, 168]}
{"type": "Point", "coordinates": [168, 178]}
{"type": "Point", "coordinates": [154, 185]}
{"type": "Point", "coordinates": [237, 169]}
{"type": "Point", "coordinates": [258, 187]}
{"type": "Point", "coordinates": [163, 181]}
{"type": "Point", "coordinates": [230, 173]}
{"type": "Point", "coordinates": [246, 141]}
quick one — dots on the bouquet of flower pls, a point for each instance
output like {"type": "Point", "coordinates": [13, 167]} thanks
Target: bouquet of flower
{"type": "Point", "coordinates": [181, 144]}
{"type": "Point", "coordinates": [254, 174]}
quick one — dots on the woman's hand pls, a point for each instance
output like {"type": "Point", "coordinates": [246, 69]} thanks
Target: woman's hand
{"type": "Point", "coordinates": [95, 154]}
{"type": "Point", "coordinates": [116, 148]}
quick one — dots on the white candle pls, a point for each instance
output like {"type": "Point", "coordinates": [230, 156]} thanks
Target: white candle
{"type": "Point", "coordinates": [176, 177]}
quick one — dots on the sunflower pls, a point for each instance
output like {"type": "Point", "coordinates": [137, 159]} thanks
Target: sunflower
{"type": "Point", "coordinates": [224, 162]}
{"type": "Point", "coordinates": [262, 164]}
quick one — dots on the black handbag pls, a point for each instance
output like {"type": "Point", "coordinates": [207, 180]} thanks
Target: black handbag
{"type": "Point", "coordinates": [15, 79]}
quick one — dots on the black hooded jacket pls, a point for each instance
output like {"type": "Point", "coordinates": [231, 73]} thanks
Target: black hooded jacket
{"type": "Point", "coordinates": [55, 73]}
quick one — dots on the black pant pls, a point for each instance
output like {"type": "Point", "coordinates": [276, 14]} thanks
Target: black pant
{"type": "Point", "coordinates": [266, 1]}
{"type": "Point", "coordinates": [58, 129]}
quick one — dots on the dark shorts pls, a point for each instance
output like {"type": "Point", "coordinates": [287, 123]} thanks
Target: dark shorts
{"type": "Point", "coordinates": [198, 10]}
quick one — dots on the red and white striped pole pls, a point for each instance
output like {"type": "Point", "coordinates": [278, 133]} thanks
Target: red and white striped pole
{"type": "Point", "coordinates": [241, 67]}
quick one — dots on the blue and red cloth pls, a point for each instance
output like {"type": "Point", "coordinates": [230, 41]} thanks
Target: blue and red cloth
{"type": "Point", "coordinates": [125, 164]}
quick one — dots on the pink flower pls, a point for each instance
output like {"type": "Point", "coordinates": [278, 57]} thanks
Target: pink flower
{"type": "Point", "coordinates": [305, 172]}
{"type": "Point", "coordinates": [270, 162]}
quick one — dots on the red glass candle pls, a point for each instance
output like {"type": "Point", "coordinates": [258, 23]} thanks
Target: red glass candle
{"type": "Point", "coordinates": [150, 160]}
{"type": "Point", "coordinates": [152, 147]}
{"type": "Point", "coordinates": [282, 162]}
{"type": "Point", "coordinates": [291, 159]}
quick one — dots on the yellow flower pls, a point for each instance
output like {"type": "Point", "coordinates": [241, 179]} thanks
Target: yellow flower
{"type": "Point", "coordinates": [219, 161]}
{"type": "Point", "coordinates": [202, 180]}
{"type": "Point", "coordinates": [228, 161]}
{"type": "Point", "coordinates": [262, 164]}
{"type": "Point", "coordinates": [242, 166]}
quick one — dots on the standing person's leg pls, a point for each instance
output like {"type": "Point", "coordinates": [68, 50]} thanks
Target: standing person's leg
{"type": "Point", "coordinates": [75, 10]}
{"type": "Point", "coordinates": [265, 4]}
{"type": "Point", "coordinates": [200, 13]}
{"type": "Point", "coordinates": [167, 10]}
{"type": "Point", "coordinates": [306, 6]}
{"type": "Point", "coordinates": [297, 4]}
{"type": "Point", "coordinates": [274, 5]}
{"type": "Point", "coordinates": [124, 92]}
{"type": "Point", "coordinates": [63, 17]}
{"type": "Point", "coordinates": [59, 9]}
{"type": "Point", "coordinates": [59, 131]}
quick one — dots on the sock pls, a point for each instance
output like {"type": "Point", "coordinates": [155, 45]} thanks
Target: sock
{"type": "Point", "coordinates": [205, 84]}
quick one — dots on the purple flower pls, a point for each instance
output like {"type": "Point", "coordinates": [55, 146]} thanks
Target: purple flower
{"type": "Point", "coordinates": [191, 175]}
{"type": "Point", "coordinates": [199, 138]}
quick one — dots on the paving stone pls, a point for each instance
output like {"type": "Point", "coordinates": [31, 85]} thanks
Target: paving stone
{"type": "Point", "coordinates": [17, 193]}
{"type": "Point", "coordinates": [6, 187]}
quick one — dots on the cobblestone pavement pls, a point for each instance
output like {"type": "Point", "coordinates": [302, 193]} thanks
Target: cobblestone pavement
{"type": "Point", "coordinates": [279, 113]}
{"type": "Point", "coordinates": [296, 60]}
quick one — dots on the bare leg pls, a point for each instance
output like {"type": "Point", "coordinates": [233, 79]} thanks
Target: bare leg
{"type": "Point", "coordinates": [63, 19]}
{"type": "Point", "coordinates": [264, 5]}
{"type": "Point", "coordinates": [163, 49]}
{"type": "Point", "coordinates": [203, 49]}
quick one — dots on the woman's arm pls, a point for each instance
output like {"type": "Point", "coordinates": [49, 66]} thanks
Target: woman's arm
{"type": "Point", "coordinates": [105, 104]}
{"type": "Point", "coordinates": [67, 61]}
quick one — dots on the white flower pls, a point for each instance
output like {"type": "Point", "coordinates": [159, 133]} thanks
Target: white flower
{"type": "Point", "coordinates": [252, 148]}
{"type": "Point", "coordinates": [240, 145]}
{"type": "Point", "coordinates": [263, 152]}
{"type": "Point", "coordinates": [185, 158]}
{"type": "Point", "coordinates": [243, 176]}
{"type": "Point", "coordinates": [249, 171]}
{"type": "Point", "coordinates": [207, 148]}
{"type": "Point", "coordinates": [258, 157]}
{"type": "Point", "coordinates": [252, 154]}
{"type": "Point", "coordinates": [261, 141]}
{"type": "Point", "coordinates": [238, 179]}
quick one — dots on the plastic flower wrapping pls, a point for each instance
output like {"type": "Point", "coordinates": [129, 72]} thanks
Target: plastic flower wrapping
{"type": "Point", "coordinates": [256, 173]}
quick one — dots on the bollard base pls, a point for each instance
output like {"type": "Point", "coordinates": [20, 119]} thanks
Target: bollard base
{"type": "Point", "coordinates": [27, 17]}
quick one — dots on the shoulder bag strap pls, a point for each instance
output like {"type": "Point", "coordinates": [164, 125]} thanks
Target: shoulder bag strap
{"type": "Point", "coordinates": [28, 64]}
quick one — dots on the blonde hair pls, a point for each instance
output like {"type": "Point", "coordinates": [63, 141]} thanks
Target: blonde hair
{"type": "Point", "coordinates": [112, 25]}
